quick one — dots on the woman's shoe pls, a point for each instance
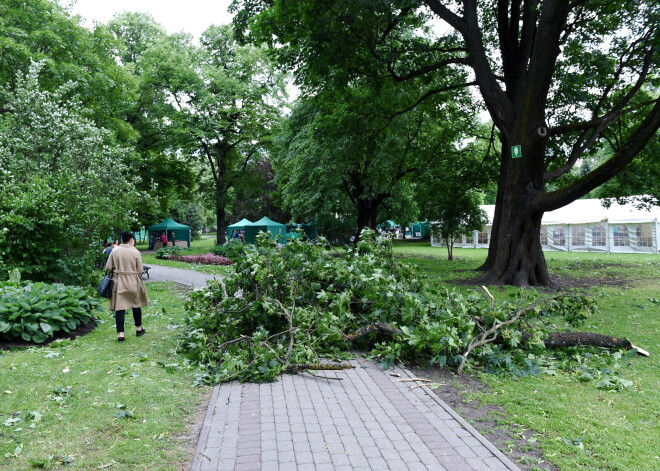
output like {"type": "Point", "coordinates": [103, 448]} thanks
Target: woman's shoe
{"type": "Point", "coordinates": [121, 339]}
{"type": "Point", "coordinates": [141, 332]}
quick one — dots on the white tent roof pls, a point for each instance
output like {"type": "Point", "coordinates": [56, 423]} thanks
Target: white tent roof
{"type": "Point", "coordinates": [589, 211]}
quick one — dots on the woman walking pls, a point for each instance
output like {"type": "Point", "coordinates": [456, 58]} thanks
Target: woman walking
{"type": "Point", "coordinates": [128, 290]}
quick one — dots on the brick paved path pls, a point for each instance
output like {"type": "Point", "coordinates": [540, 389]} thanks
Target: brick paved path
{"type": "Point", "coordinates": [367, 421]}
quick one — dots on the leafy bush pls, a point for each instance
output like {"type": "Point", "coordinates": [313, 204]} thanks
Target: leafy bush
{"type": "Point", "coordinates": [35, 311]}
{"type": "Point", "coordinates": [298, 303]}
{"type": "Point", "coordinates": [232, 249]}
{"type": "Point", "coordinates": [69, 183]}
{"type": "Point", "coordinates": [166, 253]}
{"type": "Point", "coordinates": [204, 259]}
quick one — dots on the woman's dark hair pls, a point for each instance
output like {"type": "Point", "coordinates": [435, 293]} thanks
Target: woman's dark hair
{"type": "Point", "coordinates": [126, 236]}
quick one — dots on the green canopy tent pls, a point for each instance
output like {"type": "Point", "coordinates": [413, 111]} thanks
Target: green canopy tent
{"type": "Point", "coordinates": [277, 230]}
{"type": "Point", "coordinates": [237, 226]}
{"type": "Point", "coordinates": [308, 229]}
{"type": "Point", "coordinates": [421, 229]}
{"type": "Point", "coordinates": [389, 224]}
{"type": "Point", "coordinates": [171, 228]}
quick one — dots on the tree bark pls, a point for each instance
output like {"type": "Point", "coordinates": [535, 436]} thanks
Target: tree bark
{"type": "Point", "coordinates": [367, 213]}
{"type": "Point", "coordinates": [576, 339]}
{"type": "Point", "coordinates": [220, 217]}
{"type": "Point", "coordinates": [515, 256]}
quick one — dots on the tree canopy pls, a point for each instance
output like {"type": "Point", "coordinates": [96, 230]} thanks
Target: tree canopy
{"type": "Point", "coordinates": [556, 77]}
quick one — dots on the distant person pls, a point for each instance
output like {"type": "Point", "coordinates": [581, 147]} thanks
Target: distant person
{"type": "Point", "coordinates": [109, 247]}
{"type": "Point", "coordinates": [128, 289]}
{"type": "Point", "coordinates": [163, 239]}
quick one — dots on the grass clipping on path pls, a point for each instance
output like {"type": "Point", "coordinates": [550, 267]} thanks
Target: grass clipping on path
{"type": "Point", "coordinates": [94, 403]}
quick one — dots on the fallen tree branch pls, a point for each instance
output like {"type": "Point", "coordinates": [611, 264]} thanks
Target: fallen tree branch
{"type": "Point", "coordinates": [323, 377]}
{"type": "Point", "coordinates": [294, 367]}
{"type": "Point", "coordinates": [490, 335]}
{"type": "Point", "coordinates": [377, 327]}
{"type": "Point", "coordinates": [292, 334]}
{"type": "Point", "coordinates": [576, 339]}
{"type": "Point", "coordinates": [412, 379]}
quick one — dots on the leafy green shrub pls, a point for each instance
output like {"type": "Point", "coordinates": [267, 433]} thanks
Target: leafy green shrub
{"type": "Point", "coordinates": [35, 311]}
{"type": "Point", "coordinates": [301, 302]}
{"type": "Point", "coordinates": [232, 249]}
{"type": "Point", "coordinates": [168, 252]}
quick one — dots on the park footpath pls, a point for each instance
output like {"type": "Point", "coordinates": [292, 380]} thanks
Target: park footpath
{"type": "Point", "coordinates": [355, 419]}
{"type": "Point", "coordinates": [369, 419]}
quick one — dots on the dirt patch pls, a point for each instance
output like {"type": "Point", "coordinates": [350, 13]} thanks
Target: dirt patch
{"type": "Point", "coordinates": [195, 428]}
{"type": "Point", "coordinates": [20, 343]}
{"type": "Point", "coordinates": [561, 282]}
{"type": "Point", "coordinates": [456, 391]}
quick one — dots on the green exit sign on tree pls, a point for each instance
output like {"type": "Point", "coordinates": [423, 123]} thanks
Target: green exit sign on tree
{"type": "Point", "coordinates": [516, 151]}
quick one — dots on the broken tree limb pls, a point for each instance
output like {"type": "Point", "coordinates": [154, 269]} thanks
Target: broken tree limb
{"type": "Point", "coordinates": [576, 339]}
{"type": "Point", "coordinates": [316, 366]}
{"type": "Point", "coordinates": [377, 327]}
{"type": "Point", "coordinates": [412, 379]}
{"type": "Point", "coordinates": [490, 335]}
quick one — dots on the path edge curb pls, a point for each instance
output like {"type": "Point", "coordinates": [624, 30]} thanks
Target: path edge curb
{"type": "Point", "coordinates": [484, 441]}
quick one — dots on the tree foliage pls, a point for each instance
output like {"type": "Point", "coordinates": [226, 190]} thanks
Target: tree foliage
{"type": "Point", "coordinates": [354, 153]}
{"type": "Point", "coordinates": [304, 302]}
{"type": "Point", "coordinates": [558, 78]}
{"type": "Point", "coordinates": [455, 215]}
{"type": "Point", "coordinates": [221, 101]}
{"type": "Point", "coordinates": [68, 186]}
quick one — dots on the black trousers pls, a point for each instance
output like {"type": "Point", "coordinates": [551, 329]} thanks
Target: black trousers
{"type": "Point", "coordinates": [119, 318]}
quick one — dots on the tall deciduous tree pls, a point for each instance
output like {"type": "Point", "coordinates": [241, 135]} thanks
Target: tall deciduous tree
{"type": "Point", "coordinates": [163, 171]}
{"type": "Point", "coordinates": [351, 152]}
{"type": "Point", "coordinates": [41, 30]}
{"type": "Point", "coordinates": [224, 98]}
{"type": "Point", "coordinates": [554, 75]}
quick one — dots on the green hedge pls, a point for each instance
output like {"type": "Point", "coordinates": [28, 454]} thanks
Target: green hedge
{"type": "Point", "coordinates": [36, 311]}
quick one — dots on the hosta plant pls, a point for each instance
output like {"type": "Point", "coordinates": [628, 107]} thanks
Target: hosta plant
{"type": "Point", "coordinates": [36, 311]}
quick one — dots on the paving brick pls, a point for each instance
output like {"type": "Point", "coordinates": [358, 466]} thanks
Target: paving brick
{"type": "Point", "coordinates": [366, 422]}
{"type": "Point", "coordinates": [321, 457]}
{"type": "Point", "coordinates": [378, 464]}
{"type": "Point", "coordinates": [269, 466]}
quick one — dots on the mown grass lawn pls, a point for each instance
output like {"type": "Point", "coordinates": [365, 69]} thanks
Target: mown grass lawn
{"type": "Point", "coordinates": [94, 403]}
{"type": "Point", "coordinates": [576, 425]}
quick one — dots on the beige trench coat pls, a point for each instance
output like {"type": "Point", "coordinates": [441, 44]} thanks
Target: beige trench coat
{"type": "Point", "coordinates": [128, 290]}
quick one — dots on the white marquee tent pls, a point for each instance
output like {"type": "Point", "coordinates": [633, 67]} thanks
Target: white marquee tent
{"type": "Point", "coordinates": [585, 226]}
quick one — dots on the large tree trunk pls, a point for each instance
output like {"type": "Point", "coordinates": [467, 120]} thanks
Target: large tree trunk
{"type": "Point", "coordinates": [221, 184]}
{"type": "Point", "coordinates": [220, 217]}
{"type": "Point", "coordinates": [367, 212]}
{"type": "Point", "coordinates": [515, 256]}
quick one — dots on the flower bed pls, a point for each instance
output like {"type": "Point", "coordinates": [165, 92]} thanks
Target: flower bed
{"type": "Point", "coordinates": [204, 259]}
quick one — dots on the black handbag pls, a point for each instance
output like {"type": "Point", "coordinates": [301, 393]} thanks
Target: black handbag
{"type": "Point", "coordinates": [105, 287]}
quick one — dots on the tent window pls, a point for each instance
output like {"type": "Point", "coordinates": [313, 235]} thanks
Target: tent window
{"type": "Point", "coordinates": [483, 237]}
{"type": "Point", "coordinates": [559, 236]}
{"type": "Point", "coordinates": [458, 239]}
{"type": "Point", "coordinates": [644, 238]}
{"type": "Point", "coordinates": [544, 235]}
{"type": "Point", "coordinates": [579, 235]}
{"type": "Point", "coordinates": [469, 238]}
{"type": "Point", "coordinates": [598, 236]}
{"type": "Point", "coordinates": [621, 236]}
